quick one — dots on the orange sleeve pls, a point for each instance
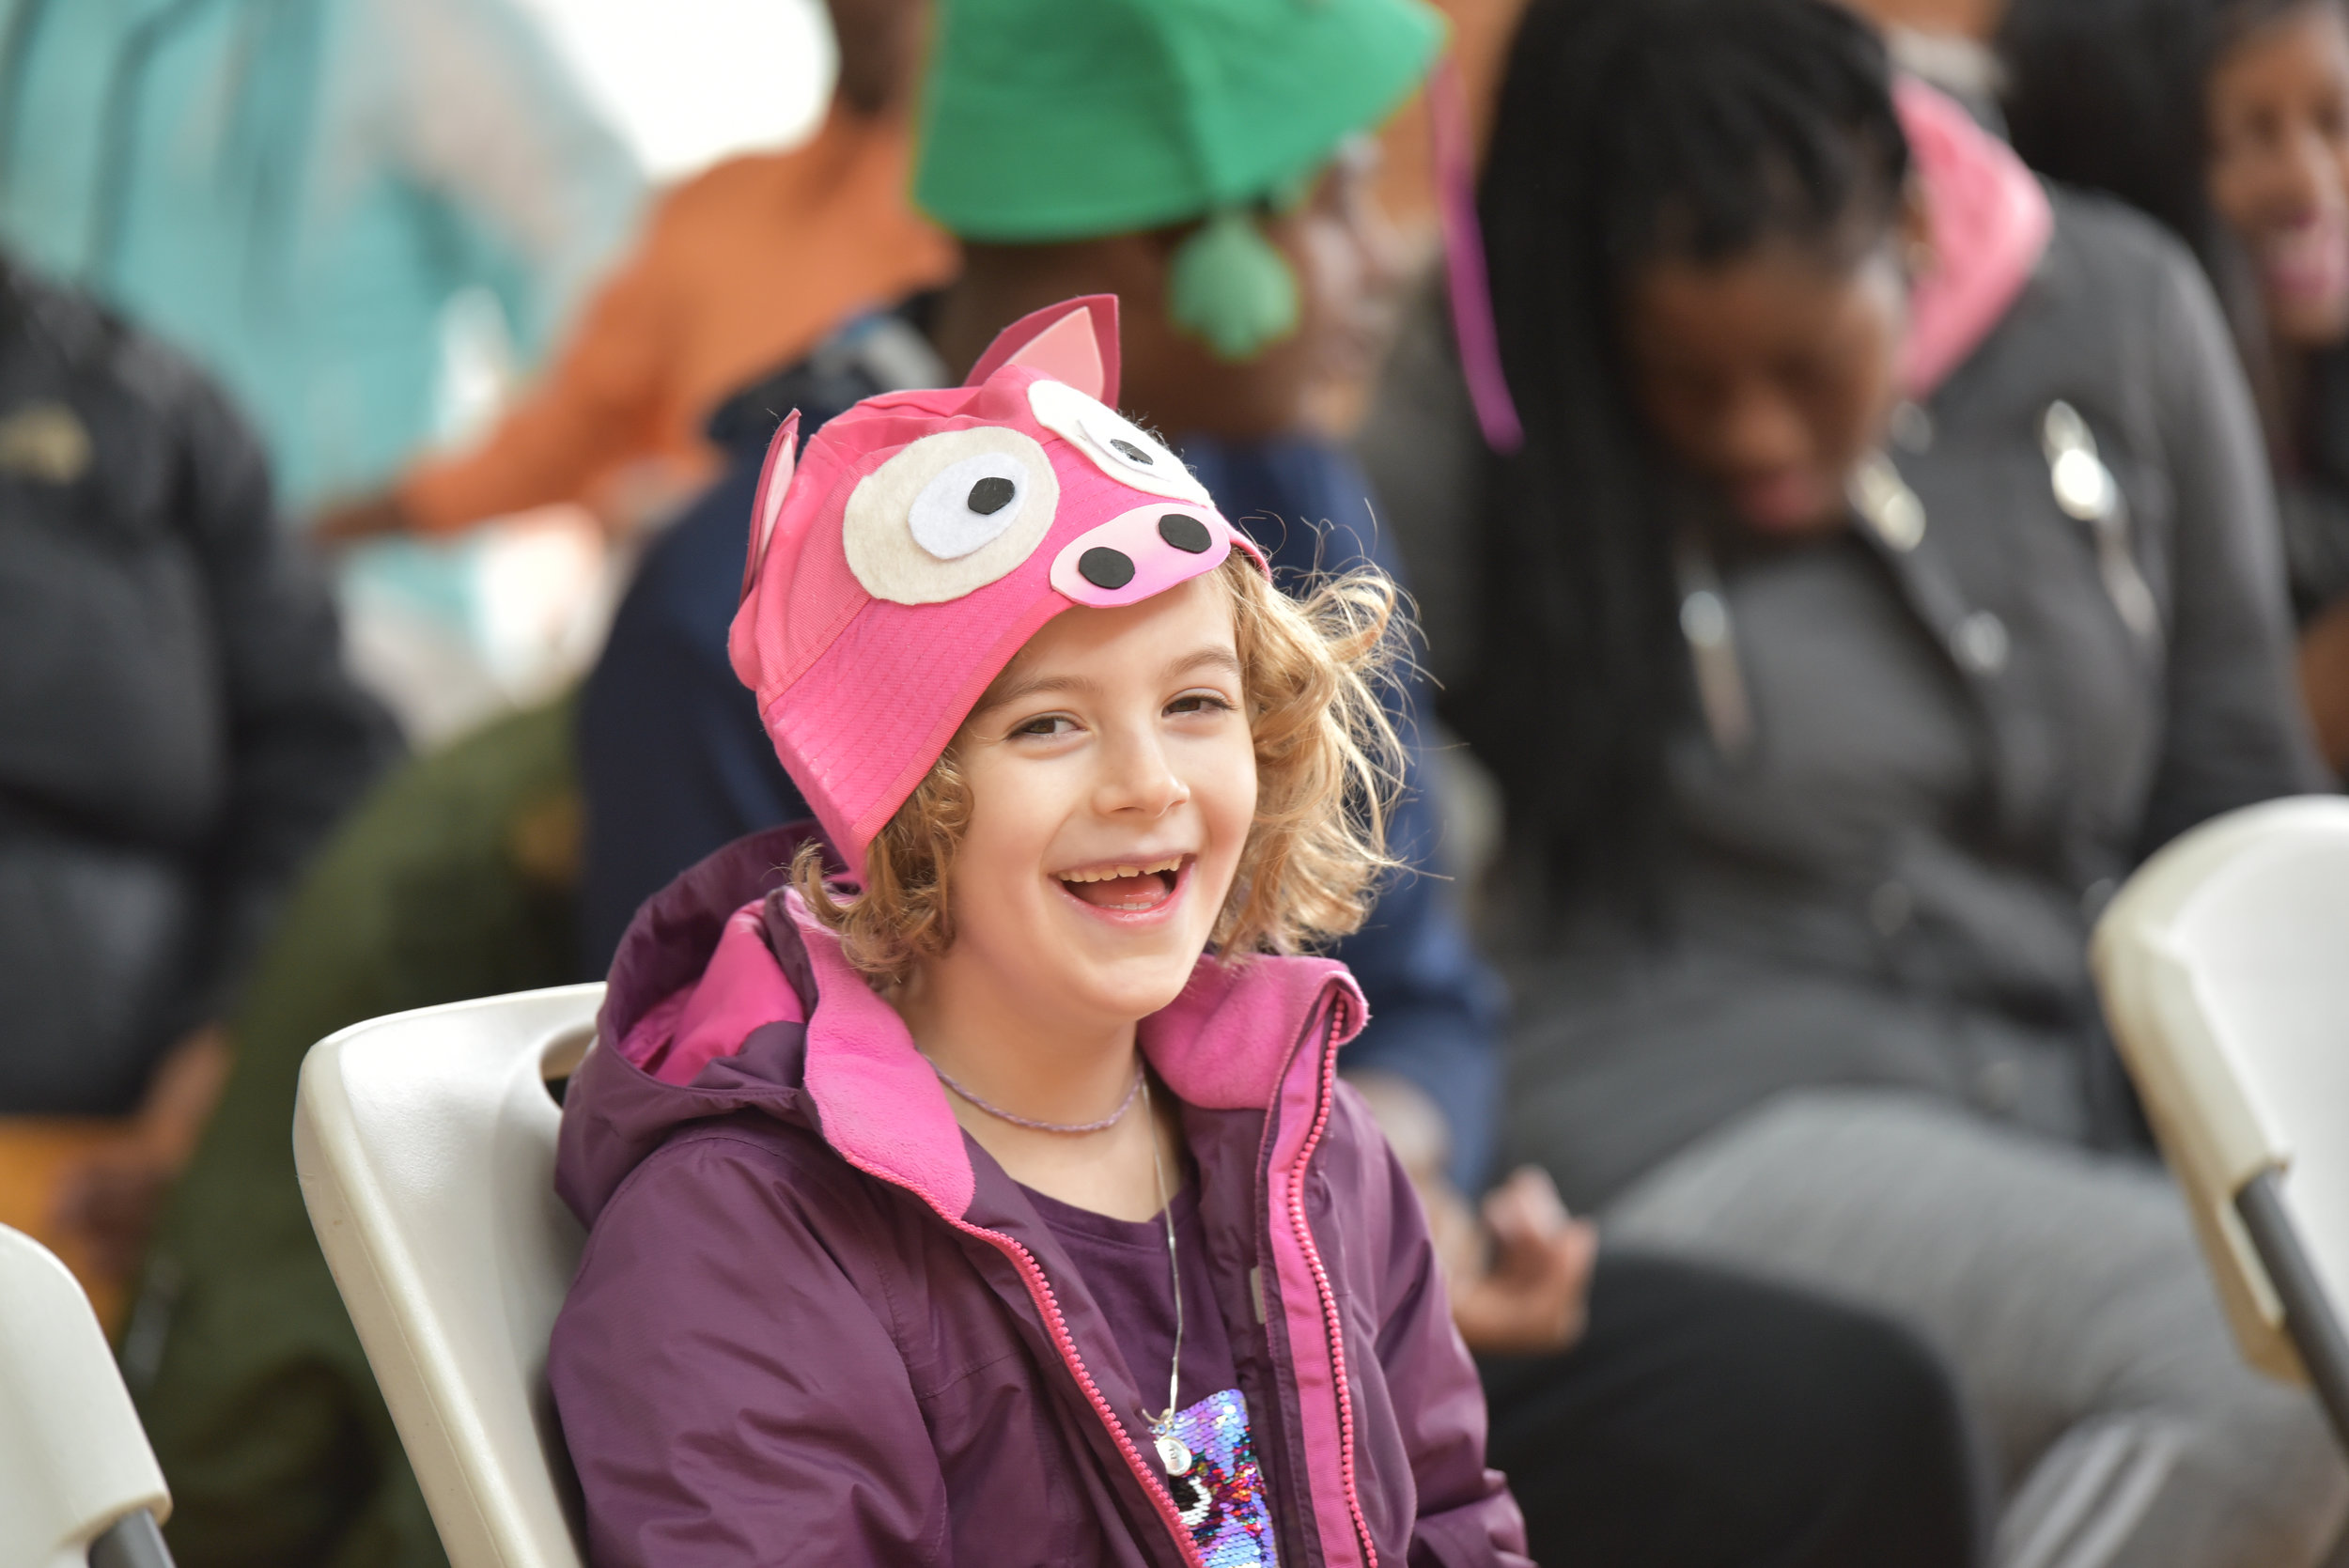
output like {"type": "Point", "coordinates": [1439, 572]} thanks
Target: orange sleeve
{"type": "Point", "coordinates": [595, 407]}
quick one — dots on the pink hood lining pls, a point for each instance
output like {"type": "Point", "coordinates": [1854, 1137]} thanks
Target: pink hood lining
{"type": "Point", "coordinates": [1991, 223]}
{"type": "Point", "coordinates": [691, 1028]}
{"type": "Point", "coordinates": [1222, 1044]}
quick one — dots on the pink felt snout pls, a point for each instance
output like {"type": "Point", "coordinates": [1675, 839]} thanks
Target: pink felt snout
{"type": "Point", "coordinates": [1140, 554]}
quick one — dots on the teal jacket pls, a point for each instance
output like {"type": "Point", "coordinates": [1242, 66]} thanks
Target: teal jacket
{"type": "Point", "coordinates": [293, 190]}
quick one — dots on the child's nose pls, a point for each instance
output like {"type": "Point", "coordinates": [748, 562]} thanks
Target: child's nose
{"type": "Point", "coordinates": [1139, 776]}
{"type": "Point", "coordinates": [1141, 552]}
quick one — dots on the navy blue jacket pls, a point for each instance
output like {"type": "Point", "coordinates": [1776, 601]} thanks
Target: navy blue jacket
{"type": "Point", "coordinates": [675, 764]}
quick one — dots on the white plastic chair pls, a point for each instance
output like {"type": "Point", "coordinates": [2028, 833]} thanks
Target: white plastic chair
{"type": "Point", "coordinates": [78, 1483]}
{"type": "Point", "coordinates": [426, 1147]}
{"type": "Point", "coordinates": [2224, 966]}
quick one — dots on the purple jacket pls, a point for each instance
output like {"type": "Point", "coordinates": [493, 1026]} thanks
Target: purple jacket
{"type": "Point", "coordinates": [815, 1322]}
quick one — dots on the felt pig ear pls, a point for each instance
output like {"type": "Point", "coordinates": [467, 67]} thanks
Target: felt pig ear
{"type": "Point", "coordinates": [774, 481]}
{"type": "Point", "coordinates": [1074, 341]}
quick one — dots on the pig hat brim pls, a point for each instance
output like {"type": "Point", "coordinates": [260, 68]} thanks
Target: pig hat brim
{"type": "Point", "coordinates": [905, 558]}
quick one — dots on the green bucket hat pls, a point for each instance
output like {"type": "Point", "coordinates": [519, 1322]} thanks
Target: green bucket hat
{"type": "Point", "coordinates": [1046, 120]}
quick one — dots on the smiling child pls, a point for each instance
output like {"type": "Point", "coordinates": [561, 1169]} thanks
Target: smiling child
{"type": "Point", "coordinates": [1002, 1204]}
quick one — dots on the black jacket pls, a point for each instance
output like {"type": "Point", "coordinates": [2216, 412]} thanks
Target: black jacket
{"type": "Point", "coordinates": [175, 730]}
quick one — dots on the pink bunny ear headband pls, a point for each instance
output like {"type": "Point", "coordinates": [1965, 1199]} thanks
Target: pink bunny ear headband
{"type": "Point", "coordinates": [901, 563]}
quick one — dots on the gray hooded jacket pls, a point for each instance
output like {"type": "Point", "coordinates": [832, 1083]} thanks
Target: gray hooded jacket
{"type": "Point", "coordinates": [1959, 742]}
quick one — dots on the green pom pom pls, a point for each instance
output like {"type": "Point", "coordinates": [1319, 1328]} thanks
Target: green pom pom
{"type": "Point", "coordinates": [1232, 288]}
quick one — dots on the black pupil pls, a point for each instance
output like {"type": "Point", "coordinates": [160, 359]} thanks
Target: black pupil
{"type": "Point", "coordinates": [1132, 452]}
{"type": "Point", "coordinates": [990, 495]}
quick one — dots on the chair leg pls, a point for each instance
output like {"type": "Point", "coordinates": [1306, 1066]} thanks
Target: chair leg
{"type": "Point", "coordinates": [2309, 1317]}
{"type": "Point", "coordinates": [132, 1540]}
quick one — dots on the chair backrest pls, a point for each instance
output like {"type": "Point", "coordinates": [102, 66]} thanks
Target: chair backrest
{"type": "Point", "coordinates": [426, 1147]}
{"type": "Point", "coordinates": [2224, 968]}
{"type": "Point", "coordinates": [73, 1458]}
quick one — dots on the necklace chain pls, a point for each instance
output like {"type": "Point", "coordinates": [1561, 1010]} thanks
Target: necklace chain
{"type": "Point", "coordinates": [1065, 1129]}
{"type": "Point", "coordinates": [1172, 1453]}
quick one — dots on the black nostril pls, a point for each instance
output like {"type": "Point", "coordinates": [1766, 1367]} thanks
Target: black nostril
{"type": "Point", "coordinates": [1185, 532]}
{"type": "Point", "coordinates": [1105, 568]}
{"type": "Point", "coordinates": [991, 495]}
{"type": "Point", "coordinates": [1133, 452]}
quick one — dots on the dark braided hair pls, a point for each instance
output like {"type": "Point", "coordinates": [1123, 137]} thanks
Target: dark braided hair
{"type": "Point", "coordinates": [1632, 130]}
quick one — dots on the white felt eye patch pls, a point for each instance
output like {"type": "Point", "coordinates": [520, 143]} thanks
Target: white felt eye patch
{"type": "Point", "coordinates": [969, 503]}
{"type": "Point", "coordinates": [1115, 444]}
{"type": "Point", "coordinates": [949, 513]}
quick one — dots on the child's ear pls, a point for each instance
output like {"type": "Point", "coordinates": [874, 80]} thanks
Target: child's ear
{"type": "Point", "coordinates": [1075, 341]}
{"type": "Point", "coordinates": [774, 479]}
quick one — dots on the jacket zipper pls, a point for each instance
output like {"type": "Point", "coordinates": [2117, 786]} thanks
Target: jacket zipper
{"type": "Point", "coordinates": [1331, 1323]}
{"type": "Point", "coordinates": [1031, 1274]}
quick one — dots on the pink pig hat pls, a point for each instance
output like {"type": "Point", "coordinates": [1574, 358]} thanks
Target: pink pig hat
{"type": "Point", "coordinates": [899, 564]}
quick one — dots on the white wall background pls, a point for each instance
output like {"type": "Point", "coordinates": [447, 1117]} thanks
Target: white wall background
{"type": "Point", "coordinates": [689, 81]}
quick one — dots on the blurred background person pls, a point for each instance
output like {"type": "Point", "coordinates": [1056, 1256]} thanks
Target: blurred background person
{"type": "Point", "coordinates": [1419, 436]}
{"type": "Point", "coordinates": [739, 268]}
{"type": "Point", "coordinates": [1887, 567]}
{"type": "Point", "coordinates": [2228, 121]}
{"type": "Point", "coordinates": [177, 734]}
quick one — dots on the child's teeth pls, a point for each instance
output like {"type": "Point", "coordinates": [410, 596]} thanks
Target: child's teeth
{"type": "Point", "coordinates": [1115, 872]}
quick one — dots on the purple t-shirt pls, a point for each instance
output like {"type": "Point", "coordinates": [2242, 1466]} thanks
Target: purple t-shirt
{"type": "Point", "coordinates": [1123, 1264]}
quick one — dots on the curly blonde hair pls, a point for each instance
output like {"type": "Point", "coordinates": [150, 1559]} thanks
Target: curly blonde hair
{"type": "Point", "coordinates": [1328, 764]}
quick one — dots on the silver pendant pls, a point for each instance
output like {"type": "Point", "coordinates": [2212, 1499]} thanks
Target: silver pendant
{"type": "Point", "coordinates": [1172, 1453]}
{"type": "Point", "coordinates": [1884, 501]}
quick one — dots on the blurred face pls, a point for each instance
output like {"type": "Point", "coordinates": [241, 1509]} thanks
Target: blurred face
{"type": "Point", "coordinates": [1769, 374]}
{"type": "Point", "coordinates": [1112, 782]}
{"type": "Point", "coordinates": [1350, 266]}
{"type": "Point", "coordinates": [2278, 177]}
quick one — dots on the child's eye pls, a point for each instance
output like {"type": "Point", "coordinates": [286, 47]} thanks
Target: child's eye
{"type": "Point", "coordinates": [1048, 725]}
{"type": "Point", "coordinates": [1200, 702]}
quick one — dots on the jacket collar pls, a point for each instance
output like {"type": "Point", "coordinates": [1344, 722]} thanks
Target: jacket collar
{"type": "Point", "coordinates": [735, 998]}
{"type": "Point", "coordinates": [1991, 223]}
{"type": "Point", "coordinates": [1222, 1044]}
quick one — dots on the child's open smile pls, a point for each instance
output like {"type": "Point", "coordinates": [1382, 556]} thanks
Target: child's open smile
{"type": "Point", "coordinates": [1112, 780]}
{"type": "Point", "coordinates": [1112, 784]}
{"type": "Point", "coordinates": [1125, 889]}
